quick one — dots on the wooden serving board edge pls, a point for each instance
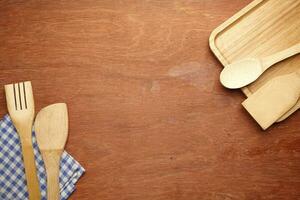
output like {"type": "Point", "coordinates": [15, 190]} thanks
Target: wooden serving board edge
{"type": "Point", "coordinates": [225, 25]}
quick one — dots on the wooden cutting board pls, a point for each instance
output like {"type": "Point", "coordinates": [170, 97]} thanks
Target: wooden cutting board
{"type": "Point", "coordinates": [260, 29]}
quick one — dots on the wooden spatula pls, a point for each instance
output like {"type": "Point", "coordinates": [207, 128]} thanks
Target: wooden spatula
{"type": "Point", "coordinates": [274, 99]}
{"type": "Point", "coordinates": [290, 111]}
{"type": "Point", "coordinates": [20, 105]}
{"type": "Point", "coordinates": [246, 71]}
{"type": "Point", "coordinates": [51, 128]}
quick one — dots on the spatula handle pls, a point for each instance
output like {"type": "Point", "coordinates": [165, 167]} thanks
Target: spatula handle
{"type": "Point", "coordinates": [52, 159]}
{"type": "Point", "coordinates": [281, 55]}
{"type": "Point", "coordinates": [30, 169]}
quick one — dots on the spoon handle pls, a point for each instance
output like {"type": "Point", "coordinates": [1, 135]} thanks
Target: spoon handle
{"type": "Point", "coordinates": [279, 56]}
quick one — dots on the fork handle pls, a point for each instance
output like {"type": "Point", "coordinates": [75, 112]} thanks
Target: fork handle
{"type": "Point", "coordinates": [30, 169]}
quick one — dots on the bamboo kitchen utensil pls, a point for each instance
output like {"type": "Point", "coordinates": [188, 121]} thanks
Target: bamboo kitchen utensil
{"type": "Point", "coordinates": [261, 29]}
{"type": "Point", "coordinates": [241, 73]}
{"type": "Point", "coordinates": [20, 105]}
{"type": "Point", "coordinates": [274, 99]}
{"type": "Point", "coordinates": [288, 113]}
{"type": "Point", "coordinates": [51, 128]}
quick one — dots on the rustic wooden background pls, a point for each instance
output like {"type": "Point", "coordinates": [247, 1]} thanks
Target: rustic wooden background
{"type": "Point", "coordinates": [149, 119]}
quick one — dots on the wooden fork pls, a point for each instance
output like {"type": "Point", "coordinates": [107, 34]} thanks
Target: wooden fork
{"type": "Point", "coordinates": [20, 104]}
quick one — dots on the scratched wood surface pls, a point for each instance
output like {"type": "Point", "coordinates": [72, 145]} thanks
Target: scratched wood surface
{"type": "Point", "coordinates": [148, 117]}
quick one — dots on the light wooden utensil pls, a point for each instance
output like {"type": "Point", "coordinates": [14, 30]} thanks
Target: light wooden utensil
{"type": "Point", "coordinates": [51, 128]}
{"type": "Point", "coordinates": [274, 99]}
{"type": "Point", "coordinates": [291, 111]}
{"type": "Point", "coordinates": [241, 73]}
{"type": "Point", "coordinates": [20, 105]}
{"type": "Point", "coordinates": [260, 29]}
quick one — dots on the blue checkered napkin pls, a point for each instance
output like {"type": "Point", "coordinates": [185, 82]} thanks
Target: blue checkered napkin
{"type": "Point", "coordinates": [12, 175]}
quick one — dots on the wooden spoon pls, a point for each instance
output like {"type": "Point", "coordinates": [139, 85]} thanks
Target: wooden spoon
{"type": "Point", "coordinates": [51, 128]}
{"type": "Point", "coordinates": [246, 71]}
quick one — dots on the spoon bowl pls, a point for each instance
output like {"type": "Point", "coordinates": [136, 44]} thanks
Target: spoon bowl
{"type": "Point", "coordinates": [241, 73]}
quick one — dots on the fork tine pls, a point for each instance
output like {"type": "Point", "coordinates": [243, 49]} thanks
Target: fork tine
{"type": "Point", "coordinates": [24, 93]}
{"type": "Point", "coordinates": [20, 96]}
{"type": "Point", "coordinates": [10, 97]}
{"type": "Point", "coordinates": [28, 95]}
{"type": "Point", "coordinates": [15, 97]}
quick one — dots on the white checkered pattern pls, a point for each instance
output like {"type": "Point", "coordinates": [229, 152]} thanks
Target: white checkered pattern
{"type": "Point", "coordinates": [12, 175]}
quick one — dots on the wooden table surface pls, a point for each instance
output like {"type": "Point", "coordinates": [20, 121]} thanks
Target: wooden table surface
{"type": "Point", "coordinates": [149, 119]}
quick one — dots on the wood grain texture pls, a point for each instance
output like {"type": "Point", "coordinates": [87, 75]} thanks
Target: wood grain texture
{"type": "Point", "coordinates": [259, 30]}
{"type": "Point", "coordinates": [148, 117]}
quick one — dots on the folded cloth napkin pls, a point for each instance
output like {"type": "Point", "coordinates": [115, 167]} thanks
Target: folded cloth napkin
{"type": "Point", "coordinates": [12, 172]}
